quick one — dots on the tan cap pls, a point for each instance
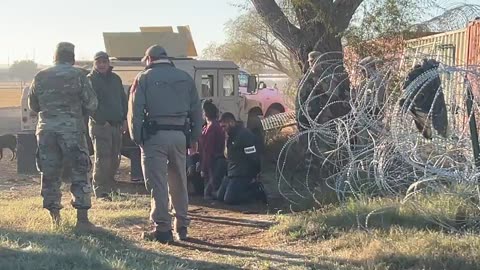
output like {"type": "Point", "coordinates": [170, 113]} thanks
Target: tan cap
{"type": "Point", "coordinates": [155, 51]}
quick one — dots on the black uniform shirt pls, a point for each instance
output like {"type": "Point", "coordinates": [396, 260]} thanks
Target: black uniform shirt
{"type": "Point", "coordinates": [242, 153]}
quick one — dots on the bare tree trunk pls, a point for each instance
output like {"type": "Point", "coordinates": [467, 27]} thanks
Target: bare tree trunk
{"type": "Point", "coordinates": [320, 23]}
{"type": "Point", "coordinates": [318, 27]}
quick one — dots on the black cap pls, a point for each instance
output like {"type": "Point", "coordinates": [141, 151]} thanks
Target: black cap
{"type": "Point", "coordinates": [99, 55]}
{"type": "Point", "coordinates": [155, 51]}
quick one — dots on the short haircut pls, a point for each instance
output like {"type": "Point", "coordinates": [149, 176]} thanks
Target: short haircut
{"type": "Point", "coordinates": [227, 117]}
{"type": "Point", "coordinates": [211, 111]}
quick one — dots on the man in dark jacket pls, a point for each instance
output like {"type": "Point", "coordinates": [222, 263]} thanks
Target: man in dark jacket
{"type": "Point", "coordinates": [106, 124]}
{"type": "Point", "coordinates": [243, 164]}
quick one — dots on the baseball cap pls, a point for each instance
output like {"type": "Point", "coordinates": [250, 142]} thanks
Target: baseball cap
{"type": "Point", "coordinates": [101, 54]}
{"type": "Point", "coordinates": [155, 51]}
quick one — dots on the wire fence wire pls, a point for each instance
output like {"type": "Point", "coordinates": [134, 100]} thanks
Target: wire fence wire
{"type": "Point", "coordinates": [364, 154]}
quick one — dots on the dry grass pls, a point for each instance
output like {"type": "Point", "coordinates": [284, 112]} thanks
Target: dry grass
{"type": "Point", "coordinates": [337, 238]}
{"type": "Point", "coordinates": [222, 238]}
{"type": "Point", "coordinates": [10, 95]}
{"type": "Point", "coordinates": [397, 237]}
{"type": "Point", "coordinates": [28, 242]}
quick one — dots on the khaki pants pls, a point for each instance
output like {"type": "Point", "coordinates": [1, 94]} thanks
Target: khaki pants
{"type": "Point", "coordinates": [107, 142]}
{"type": "Point", "coordinates": [166, 151]}
{"type": "Point", "coordinates": [55, 148]}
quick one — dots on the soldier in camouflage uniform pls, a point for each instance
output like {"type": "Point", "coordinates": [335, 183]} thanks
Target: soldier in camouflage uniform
{"type": "Point", "coordinates": [62, 96]}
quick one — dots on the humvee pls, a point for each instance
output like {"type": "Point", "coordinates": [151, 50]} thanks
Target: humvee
{"type": "Point", "coordinates": [217, 81]}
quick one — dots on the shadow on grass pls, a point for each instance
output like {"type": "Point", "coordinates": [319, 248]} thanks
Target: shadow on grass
{"type": "Point", "coordinates": [232, 221]}
{"type": "Point", "coordinates": [250, 253]}
{"type": "Point", "coordinates": [381, 215]}
{"type": "Point", "coordinates": [248, 208]}
{"type": "Point", "coordinates": [29, 250]}
{"type": "Point", "coordinates": [386, 218]}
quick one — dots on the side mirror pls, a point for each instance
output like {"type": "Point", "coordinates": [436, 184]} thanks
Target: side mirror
{"type": "Point", "coordinates": [252, 84]}
{"type": "Point", "coordinates": [262, 85]}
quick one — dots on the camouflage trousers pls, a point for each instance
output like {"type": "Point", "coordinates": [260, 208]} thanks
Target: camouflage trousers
{"type": "Point", "coordinates": [55, 148]}
{"type": "Point", "coordinates": [107, 142]}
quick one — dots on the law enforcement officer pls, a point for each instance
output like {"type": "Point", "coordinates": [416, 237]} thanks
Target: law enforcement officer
{"type": "Point", "coordinates": [106, 124]}
{"type": "Point", "coordinates": [162, 100]}
{"type": "Point", "coordinates": [62, 95]}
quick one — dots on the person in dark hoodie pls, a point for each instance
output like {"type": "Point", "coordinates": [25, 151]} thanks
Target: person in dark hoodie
{"type": "Point", "coordinates": [241, 183]}
{"type": "Point", "coordinates": [106, 124]}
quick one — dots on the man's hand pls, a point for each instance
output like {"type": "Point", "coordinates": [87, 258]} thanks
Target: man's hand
{"type": "Point", "coordinates": [197, 167]}
{"type": "Point", "coordinates": [194, 148]}
{"type": "Point", "coordinates": [190, 171]}
{"type": "Point", "coordinates": [202, 174]}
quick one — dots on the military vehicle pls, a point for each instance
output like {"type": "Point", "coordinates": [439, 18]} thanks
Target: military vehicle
{"type": "Point", "coordinates": [215, 80]}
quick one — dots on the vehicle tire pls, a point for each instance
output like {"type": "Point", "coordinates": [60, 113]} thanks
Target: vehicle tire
{"type": "Point", "coordinates": [272, 111]}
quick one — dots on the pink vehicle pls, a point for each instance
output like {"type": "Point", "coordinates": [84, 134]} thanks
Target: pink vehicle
{"type": "Point", "coordinates": [271, 100]}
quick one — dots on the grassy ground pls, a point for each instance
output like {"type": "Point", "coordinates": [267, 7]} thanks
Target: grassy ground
{"type": "Point", "coordinates": [28, 242]}
{"type": "Point", "coordinates": [395, 236]}
{"type": "Point", "coordinates": [221, 237]}
{"type": "Point", "coordinates": [385, 234]}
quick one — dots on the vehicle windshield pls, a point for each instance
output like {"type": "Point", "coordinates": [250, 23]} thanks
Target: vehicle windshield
{"type": "Point", "coordinates": [243, 79]}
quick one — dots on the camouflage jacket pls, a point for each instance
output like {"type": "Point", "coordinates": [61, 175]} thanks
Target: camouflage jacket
{"type": "Point", "coordinates": [62, 96]}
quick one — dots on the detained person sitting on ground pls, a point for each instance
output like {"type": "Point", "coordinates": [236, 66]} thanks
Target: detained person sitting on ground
{"type": "Point", "coordinates": [241, 184]}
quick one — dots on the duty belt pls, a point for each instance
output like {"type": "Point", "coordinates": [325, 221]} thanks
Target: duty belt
{"type": "Point", "coordinates": [152, 127]}
{"type": "Point", "coordinates": [170, 127]}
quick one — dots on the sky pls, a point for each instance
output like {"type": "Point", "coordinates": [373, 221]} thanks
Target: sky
{"type": "Point", "coordinates": [30, 29]}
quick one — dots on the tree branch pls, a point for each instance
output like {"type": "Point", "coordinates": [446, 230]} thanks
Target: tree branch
{"type": "Point", "coordinates": [344, 10]}
{"type": "Point", "coordinates": [281, 27]}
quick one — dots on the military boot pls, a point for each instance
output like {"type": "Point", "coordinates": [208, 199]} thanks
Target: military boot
{"type": "Point", "coordinates": [83, 223]}
{"type": "Point", "coordinates": [162, 237]}
{"type": "Point", "coordinates": [260, 193]}
{"type": "Point", "coordinates": [182, 233]}
{"type": "Point", "coordinates": [55, 215]}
